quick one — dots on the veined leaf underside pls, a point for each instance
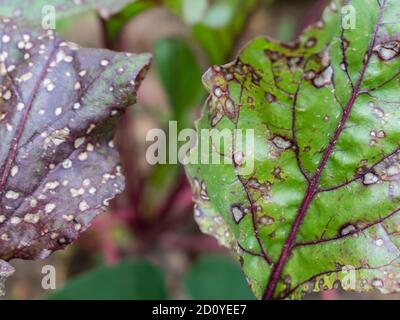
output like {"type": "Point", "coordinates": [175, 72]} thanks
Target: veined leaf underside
{"type": "Point", "coordinates": [59, 106]}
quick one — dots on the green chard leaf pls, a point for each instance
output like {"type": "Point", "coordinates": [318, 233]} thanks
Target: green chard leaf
{"type": "Point", "coordinates": [321, 207]}
{"type": "Point", "coordinates": [59, 106]}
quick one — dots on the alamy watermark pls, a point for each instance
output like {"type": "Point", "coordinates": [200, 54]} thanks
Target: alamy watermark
{"type": "Point", "coordinates": [349, 278]}
{"type": "Point", "coordinates": [49, 278]}
{"type": "Point", "coordinates": [349, 17]}
{"type": "Point", "coordinates": [49, 17]}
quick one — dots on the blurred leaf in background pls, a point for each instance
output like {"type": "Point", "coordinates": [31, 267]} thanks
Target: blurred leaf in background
{"type": "Point", "coordinates": [287, 30]}
{"type": "Point", "coordinates": [180, 75]}
{"type": "Point", "coordinates": [221, 24]}
{"type": "Point", "coordinates": [33, 11]}
{"type": "Point", "coordinates": [215, 24]}
{"type": "Point", "coordinates": [216, 277]}
{"type": "Point", "coordinates": [129, 280]}
{"type": "Point", "coordinates": [211, 277]}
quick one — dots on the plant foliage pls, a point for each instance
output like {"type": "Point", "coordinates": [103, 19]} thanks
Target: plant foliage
{"type": "Point", "coordinates": [321, 205]}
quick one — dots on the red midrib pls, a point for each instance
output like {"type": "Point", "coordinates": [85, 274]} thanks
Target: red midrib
{"type": "Point", "coordinates": [311, 190]}
{"type": "Point", "coordinates": [21, 125]}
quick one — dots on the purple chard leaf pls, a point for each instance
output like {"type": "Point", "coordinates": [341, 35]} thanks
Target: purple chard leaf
{"type": "Point", "coordinates": [59, 106]}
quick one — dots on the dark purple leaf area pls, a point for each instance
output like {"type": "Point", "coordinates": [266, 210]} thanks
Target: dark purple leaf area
{"type": "Point", "coordinates": [59, 106]}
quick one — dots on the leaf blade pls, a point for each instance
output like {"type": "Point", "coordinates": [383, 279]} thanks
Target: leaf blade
{"type": "Point", "coordinates": [313, 154]}
{"type": "Point", "coordinates": [59, 107]}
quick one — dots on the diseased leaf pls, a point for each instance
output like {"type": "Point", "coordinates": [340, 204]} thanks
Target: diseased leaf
{"type": "Point", "coordinates": [321, 206]}
{"type": "Point", "coordinates": [6, 270]}
{"type": "Point", "coordinates": [59, 105]}
{"type": "Point", "coordinates": [33, 11]}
